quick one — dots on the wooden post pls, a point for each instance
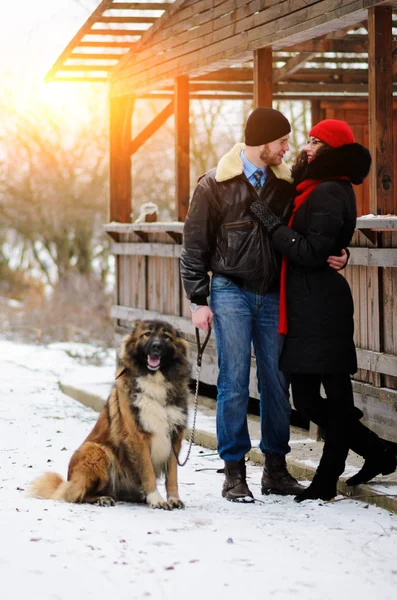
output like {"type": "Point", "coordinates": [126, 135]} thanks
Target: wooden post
{"type": "Point", "coordinates": [316, 112]}
{"type": "Point", "coordinates": [120, 158]}
{"type": "Point", "coordinates": [381, 110]}
{"type": "Point", "coordinates": [263, 77]}
{"type": "Point", "coordinates": [182, 146]}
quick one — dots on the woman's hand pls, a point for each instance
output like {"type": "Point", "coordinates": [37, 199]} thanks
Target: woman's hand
{"type": "Point", "coordinates": [338, 262]}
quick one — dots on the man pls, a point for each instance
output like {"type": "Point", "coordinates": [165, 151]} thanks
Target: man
{"type": "Point", "coordinates": [220, 236]}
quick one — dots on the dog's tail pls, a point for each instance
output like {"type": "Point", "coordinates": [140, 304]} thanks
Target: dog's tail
{"type": "Point", "coordinates": [45, 486]}
{"type": "Point", "coordinates": [52, 486]}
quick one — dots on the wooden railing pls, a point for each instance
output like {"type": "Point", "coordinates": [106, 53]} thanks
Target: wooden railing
{"type": "Point", "coordinates": [148, 286]}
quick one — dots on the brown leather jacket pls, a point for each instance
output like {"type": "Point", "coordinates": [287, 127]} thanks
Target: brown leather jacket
{"type": "Point", "coordinates": [220, 234]}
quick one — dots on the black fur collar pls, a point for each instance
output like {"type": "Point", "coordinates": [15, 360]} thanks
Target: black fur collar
{"type": "Point", "coordinates": [351, 160]}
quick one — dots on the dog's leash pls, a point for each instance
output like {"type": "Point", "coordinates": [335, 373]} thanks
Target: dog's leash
{"type": "Point", "coordinates": [200, 351]}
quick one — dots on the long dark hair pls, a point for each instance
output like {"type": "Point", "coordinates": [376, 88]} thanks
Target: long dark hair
{"type": "Point", "coordinates": [298, 169]}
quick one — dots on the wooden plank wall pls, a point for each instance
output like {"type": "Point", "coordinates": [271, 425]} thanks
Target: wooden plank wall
{"type": "Point", "coordinates": [389, 307]}
{"type": "Point", "coordinates": [149, 286]}
{"type": "Point", "coordinates": [131, 277]}
{"type": "Point", "coordinates": [150, 282]}
{"type": "Point", "coordinates": [364, 284]}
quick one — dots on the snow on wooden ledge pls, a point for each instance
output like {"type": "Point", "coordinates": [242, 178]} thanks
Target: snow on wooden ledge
{"type": "Point", "coordinates": [377, 222]}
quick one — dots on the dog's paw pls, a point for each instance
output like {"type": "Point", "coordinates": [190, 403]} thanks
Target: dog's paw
{"type": "Point", "coordinates": [155, 500]}
{"type": "Point", "coordinates": [104, 501]}
{"type": "Point", "coordinates": [174, 502]}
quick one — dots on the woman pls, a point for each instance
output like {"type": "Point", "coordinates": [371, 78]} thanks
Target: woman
{"type": "Point", "coordinates": [316, 306]}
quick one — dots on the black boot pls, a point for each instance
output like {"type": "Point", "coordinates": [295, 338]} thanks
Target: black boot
{"type": "Point", "coordinates": [379, 459]}
{"type": "Point", "coordinates": [382, 462]}
{"type": "Point", "coordinates": [276, 479]}
{"type": "Point", "coordinates": [332, 463]}
{"type": "Point", "coordinates": [319, 489]}
{"type": "Point", "coordinates": [235, 486]}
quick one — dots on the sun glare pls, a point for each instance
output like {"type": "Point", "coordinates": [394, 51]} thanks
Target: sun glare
{"type": "Point", "coordinates": [66, 98]}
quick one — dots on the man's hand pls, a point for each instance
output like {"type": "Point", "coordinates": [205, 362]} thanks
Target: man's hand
{"type": "Point", "coordinates": [338, 262]}
{"type": "Point", "coordinates": [202, 318]}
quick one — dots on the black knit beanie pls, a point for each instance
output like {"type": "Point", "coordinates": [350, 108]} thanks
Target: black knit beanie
{"type": "Point", "coordinates": [265, 125]}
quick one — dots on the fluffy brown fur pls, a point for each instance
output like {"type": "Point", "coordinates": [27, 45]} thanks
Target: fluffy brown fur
{"type": "Point", "coordinates": [138, 433]}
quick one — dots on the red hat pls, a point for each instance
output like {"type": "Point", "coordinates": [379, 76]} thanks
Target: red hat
{"type": "Point", "coordinates": [332, 132]}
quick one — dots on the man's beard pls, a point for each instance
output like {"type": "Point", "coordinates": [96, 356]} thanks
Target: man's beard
{"type": "Point", "coordinates": [269, 158]}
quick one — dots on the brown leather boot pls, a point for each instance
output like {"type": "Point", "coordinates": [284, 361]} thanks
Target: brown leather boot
{"type": "Point", "coordinates": [276, 479]}
{"type": "Point", "coordinates": [235, 486]}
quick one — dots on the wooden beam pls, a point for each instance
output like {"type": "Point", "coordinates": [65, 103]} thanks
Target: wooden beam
{"type": "Point", "coordinates": [142, 5]}
{"type": "Point", "coordinates": [376, 224]}
{"type": "Point", "coordinates": [295, 63]}
{"type": "Point", "coordinates": [228, 74]}
{"type": "Point", "coordinates": [103, 44]}
{"type": "Point", "coordinates": [322, 76]}
{"type": "Point", "coordinates": [150, 129]}
{"type": "Point", "coordinates": [182, 146]}
{"type": "Point", "coordinates": [377, 362]}
{"type": "Point", "coordinates": [329, 45]}
{"type": "Point", "coordinates": [116, 32]}
{"type": "Point", "coordinates": [292, 65]}
{"type": "Point", "coordinates": [373, 257]}
{"type": "Point", "coordinates": [80, 79]}
{"type": "Point", "coordinates": [294, 87]}
{"type": "Point", "coordinates": [127, 313]}
{"type": "Point", "coordinates": [381, 110]}
{"type": "Point", "coordinates": [340, 59]}
{"type": "Point", "coordinates": [316, 112]}
{"type": "Point", "coordinates": [318, 89]}
{"type": "Point", "coordinates": [245, 75]}
{"type": "Point", "coordinates": [140, 19]}
{"type": "Point", "coordinates": [263, 77]}
{"type": "Point", "coordinates": [147, 249]}
{"type": "Point", "coordinates": [318, 95]}
{"type": "Point", "coordinates": [160, 227]}
{"type": "Point", "coordinates": [394, 60]}
{"type": "Point", "coordinates": [120, 158]}
{"type": "Point", "coordinates": [104, 5]}
{"type": "Point", "coordinates": [95, 56]}
{"type": "Point", "coordinates": [84, 67]}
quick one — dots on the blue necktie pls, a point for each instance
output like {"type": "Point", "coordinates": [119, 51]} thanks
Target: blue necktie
{"type": "Point", "coordinates": [258, 176]}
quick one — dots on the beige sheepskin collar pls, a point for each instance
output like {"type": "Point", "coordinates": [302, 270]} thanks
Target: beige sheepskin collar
{"type": "Point", "coordinates": [231, 165]}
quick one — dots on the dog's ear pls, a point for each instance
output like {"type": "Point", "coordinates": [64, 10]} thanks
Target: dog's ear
{"type": "Point", "coordinates": [122, 347]}
{"type": "Point", "coordinates": [182, 345]}
{"type": "Point", "coordinates": [135, 326]}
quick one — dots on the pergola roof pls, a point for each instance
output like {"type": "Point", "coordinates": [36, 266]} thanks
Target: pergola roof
{"type": "Point", "coordinates": [160, 38]}
{"type": "Point", "coordinates": [111, 31]}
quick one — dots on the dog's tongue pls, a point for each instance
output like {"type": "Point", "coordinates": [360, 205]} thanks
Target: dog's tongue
{"type": "Point", "coordinates": [153, 361]}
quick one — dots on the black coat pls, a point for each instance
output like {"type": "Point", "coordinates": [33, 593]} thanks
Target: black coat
{"type": "Point", "coordinates": [319, 301]}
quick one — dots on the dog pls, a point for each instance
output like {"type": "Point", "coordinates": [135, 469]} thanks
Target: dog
{"type": "Point", "coordinates": [139, 432]}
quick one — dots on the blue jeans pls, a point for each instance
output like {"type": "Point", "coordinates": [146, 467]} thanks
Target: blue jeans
{"type": "Point", "coordinates": [241, 318]}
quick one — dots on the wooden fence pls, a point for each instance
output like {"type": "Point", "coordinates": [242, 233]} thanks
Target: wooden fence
{"type": "Point", "coordinates": [148, 286]}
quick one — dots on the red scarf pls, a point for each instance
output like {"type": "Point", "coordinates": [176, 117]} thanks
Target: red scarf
{"type": "Point", "coordinates": [305, 187]}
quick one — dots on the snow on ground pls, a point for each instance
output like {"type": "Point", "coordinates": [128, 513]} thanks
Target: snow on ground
{"type": "Point", "coordinates": [211, 550]}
